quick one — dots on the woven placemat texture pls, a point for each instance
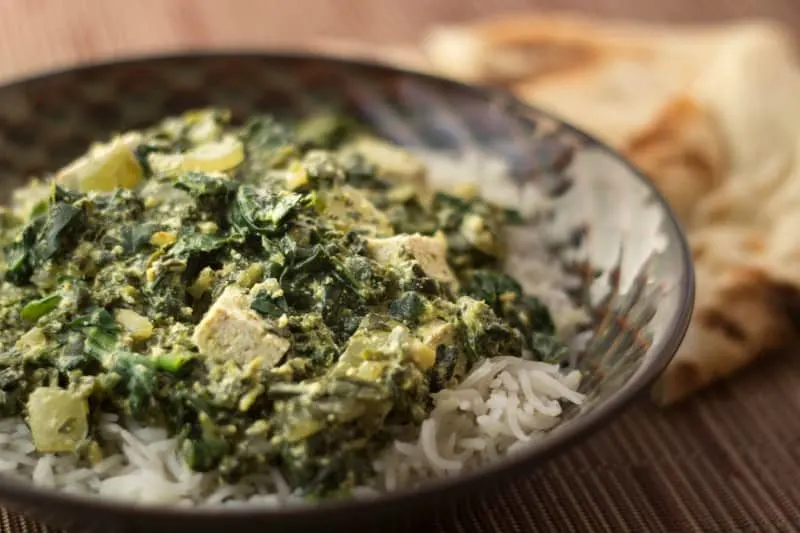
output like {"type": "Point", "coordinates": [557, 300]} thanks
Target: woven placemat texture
{"type": "Point", "coordinates": [727, 461]}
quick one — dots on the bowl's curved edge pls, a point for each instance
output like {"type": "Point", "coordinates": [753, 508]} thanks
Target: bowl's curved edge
{"type": "Point", "coordinates": [20, 493]}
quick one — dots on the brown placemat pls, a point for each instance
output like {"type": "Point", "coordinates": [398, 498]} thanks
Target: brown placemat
{"type": "Point", "coordinates": [729, 460]}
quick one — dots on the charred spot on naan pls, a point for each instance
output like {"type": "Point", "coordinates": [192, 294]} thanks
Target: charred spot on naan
{"type": "Point", "coordinates": [715, 319]}
{"type": "Point", "coordinates": [507, 64]}
{"type": "Point", "coordinates": [683, 153]}
{"type": "Point", "coordinates": [752, 307]}
{"type": "Point", "coordinates": [509, 50]}
{"type": "Point", "coordinates": [749, 314]}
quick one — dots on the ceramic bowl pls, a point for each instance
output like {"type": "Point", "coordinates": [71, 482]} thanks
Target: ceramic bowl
{"type": "Point", "coordinates": [621, 239]}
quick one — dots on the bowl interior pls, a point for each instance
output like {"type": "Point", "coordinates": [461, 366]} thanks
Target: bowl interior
{"type": "Point", "coordinates": [618, 238]}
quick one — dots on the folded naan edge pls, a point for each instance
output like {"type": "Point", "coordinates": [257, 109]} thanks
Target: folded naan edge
{"type": "Point", "coordinates": [744, 314]}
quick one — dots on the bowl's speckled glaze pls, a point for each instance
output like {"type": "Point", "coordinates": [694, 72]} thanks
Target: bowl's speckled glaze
{"type": "Point", "coordinates": [624, 241]}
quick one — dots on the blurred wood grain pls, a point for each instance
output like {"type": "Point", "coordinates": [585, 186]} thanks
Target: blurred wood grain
{"type": "Point", "coordinates": [42, 34]}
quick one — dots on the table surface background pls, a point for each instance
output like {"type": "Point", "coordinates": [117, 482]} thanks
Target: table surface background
{"type": "Point", "coordinates": [726, 461]}
{"type": "Point", "coordinates": [36, 34]}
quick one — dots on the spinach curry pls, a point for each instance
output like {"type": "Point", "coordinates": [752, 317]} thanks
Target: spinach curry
{"type": "Point", "coordinates": [276, 295]}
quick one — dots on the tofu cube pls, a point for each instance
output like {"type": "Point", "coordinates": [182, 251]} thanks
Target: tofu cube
{"type": "Point", "coordinates": [350, 210]}
{"type": "Point", "coordinates": [57, 418]}
{"type": "Point", "coordinates": [429, 252]}
{"type": "Point", "coordinates": [393, 162]}
{"type": "Point", "coordinates": [230, 330]}
{"type": "Point", "coordinates": [104, 168]}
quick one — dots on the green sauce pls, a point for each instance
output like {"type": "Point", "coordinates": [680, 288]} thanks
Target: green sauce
{"type": "Point", "coordinates": [274, 294]}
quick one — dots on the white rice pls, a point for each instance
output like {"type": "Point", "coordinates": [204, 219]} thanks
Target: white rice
{"type": "Point", "coordinates": [504, 404]}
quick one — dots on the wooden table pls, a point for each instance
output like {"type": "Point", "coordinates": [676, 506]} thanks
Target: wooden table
{"type": "Point", "coordinates": [37, 34]}
{"type": "Point", "coordinates": [726, 461]}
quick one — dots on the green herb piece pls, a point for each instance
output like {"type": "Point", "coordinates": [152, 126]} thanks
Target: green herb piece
{"type": "Point", "coordinates": [36, 309]}
{"type": "Point", "coordinates": [263, 212]}
{"type": "Point", "coordinates": [172, 362]}
{"type": "Point", "coordinates": [408, 308]}
{"type": "Point", "coordinates": [136, 238]}
{"type": "Point", "coordinates": [268, 306]}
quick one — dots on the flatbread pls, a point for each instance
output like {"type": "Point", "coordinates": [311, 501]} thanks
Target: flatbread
{"type": "Point", "coordinates": [742, 314]}
{"type": "Point", "coordinates": [683, 151]}
{"type": "Point", "coordinates": [711, 115]}
{"type": "Point", "coordinates": [610, 78]}
{"type": "Point", "coordinates": [526, 46]}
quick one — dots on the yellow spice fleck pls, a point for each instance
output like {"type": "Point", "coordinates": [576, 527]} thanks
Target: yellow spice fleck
{"type": "Point", "coordinates": [163, 238]}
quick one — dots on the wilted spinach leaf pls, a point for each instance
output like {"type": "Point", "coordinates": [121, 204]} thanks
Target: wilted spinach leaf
{"type": "Point", "coordinates": [138, 382]}
{"type": "Point", "coordinates": [60, 218]}
{"type": "Point", "coordinates": [19, 254]}
{"type": "Point", "coordinates": [489, 286]}
{"type": "Point", "coordinates": [205, 186]}
{"type": "Point", "coordinates": [101, 331]}
{"type": "Point", "coordinates": [42, 239]}
{"type": "Point", "coordinates": [98, 317]}
{"type": "Point", "coordinates": [548, 348]}
{"type": "Point", "coordinates": [504, 294]}
{"type": "Point", "coordinates": [204, 454]}
{"type": "Point", "coordinates": [192, 243]}
{"type": "Point", "coordinates": [268, 143]}
{"type": "Point", "coordinates": [137, 237]}
{"type": "Point", "coordinates": [261, 212]}
{"type": "Point", "coordinates": [527, 314]}
{"type": "Point", "coordinates": [269, 306]}
{"type": "Point", "coordinates": [408, 308]}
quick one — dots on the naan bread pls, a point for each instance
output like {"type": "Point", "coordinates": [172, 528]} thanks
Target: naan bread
{"type": "Point", "coordinates": [712, 116]}
{"type": "Point", "coordinates": [744, 232]}
{"type": "Point", "coordinates": [683, 152]}
{"type": "Point", "coordinates": [610, 78]}
{"type": "Point", "coordinates": [741, 314]}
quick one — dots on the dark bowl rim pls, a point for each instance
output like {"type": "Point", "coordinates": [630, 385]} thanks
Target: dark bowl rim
{"type": "Point", "coordinates": [561, 440]}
